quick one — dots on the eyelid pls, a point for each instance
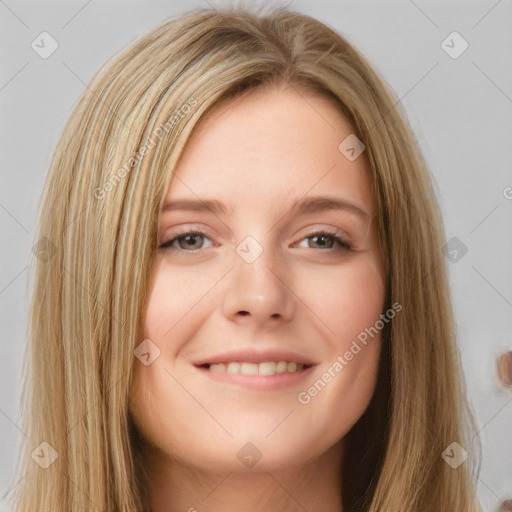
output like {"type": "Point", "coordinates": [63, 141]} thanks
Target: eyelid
{"type": "Point", "coordinates": [325, 228]}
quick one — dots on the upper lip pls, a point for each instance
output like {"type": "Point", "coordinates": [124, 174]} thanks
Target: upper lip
{"type": "Point", "coordinates": [256, 356]}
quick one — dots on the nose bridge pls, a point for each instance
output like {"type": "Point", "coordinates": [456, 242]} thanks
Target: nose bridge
{"type": "Point", "coordinates": [258, 285]}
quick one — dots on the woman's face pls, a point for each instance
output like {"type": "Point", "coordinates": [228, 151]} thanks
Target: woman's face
{"type": "Point", "coordinates": [254, 276]}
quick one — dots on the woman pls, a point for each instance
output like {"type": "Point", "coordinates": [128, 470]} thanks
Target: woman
{"type": "Point", "coordinates": [244, 303]}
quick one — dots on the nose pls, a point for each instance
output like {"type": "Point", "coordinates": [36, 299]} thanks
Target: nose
{"type": "Point", "coordinates": [259, 292]}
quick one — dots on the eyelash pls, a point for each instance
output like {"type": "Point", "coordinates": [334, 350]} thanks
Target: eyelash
{"type": "Point", "coordinates": [342, 244]}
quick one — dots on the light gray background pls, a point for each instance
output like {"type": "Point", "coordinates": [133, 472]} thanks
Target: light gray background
{"type": "Point", "coordinates": [460, 110]}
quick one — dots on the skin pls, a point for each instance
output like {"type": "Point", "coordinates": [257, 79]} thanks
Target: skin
{"type": "Point", "coordinates": [257, 155]}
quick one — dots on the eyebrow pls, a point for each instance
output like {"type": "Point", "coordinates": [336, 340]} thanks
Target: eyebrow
{"type": "Point", "coordinates": [308, 205]}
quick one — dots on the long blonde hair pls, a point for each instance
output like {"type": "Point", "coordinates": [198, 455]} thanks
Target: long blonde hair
{"type": "Point", "coordinates": [101, 202]}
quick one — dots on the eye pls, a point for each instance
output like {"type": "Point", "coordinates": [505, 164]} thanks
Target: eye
{"type": "Point", "coordinates": [188, 241]}
{"type": "Point", "coordinates": [327, 240]}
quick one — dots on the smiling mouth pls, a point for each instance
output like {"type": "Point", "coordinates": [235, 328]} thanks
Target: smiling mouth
{"type": "Point", "coordinates": [266, 368]}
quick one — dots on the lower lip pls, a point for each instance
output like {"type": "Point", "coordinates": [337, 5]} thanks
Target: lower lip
{"type": "Point", "coordinates": [259, 382]}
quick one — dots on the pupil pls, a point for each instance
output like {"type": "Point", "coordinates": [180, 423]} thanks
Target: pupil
{"type": "Point", "coordinates": [322, 239]}
{"type": "Point", "coordinates": [189, 240]}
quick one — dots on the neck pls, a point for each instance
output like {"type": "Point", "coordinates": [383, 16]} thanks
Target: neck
{"type": "Point", "coordinates": [315, 485]}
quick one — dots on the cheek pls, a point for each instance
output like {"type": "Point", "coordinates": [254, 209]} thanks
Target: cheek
{"type": "Point", "coordinates": [156, 402]}
{"type": "Point", "coordinates": [348, 298]}
{"type": "Point", "coordinates": [161, 408]}
{"type": "Point", "coordinates": [177, 296]}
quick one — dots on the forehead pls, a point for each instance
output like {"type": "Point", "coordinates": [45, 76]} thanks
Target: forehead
{"type": "Point", "coordinates": [270, 147]}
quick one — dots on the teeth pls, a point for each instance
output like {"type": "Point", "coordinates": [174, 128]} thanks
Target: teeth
{"type": "Point", "coordinates": [281, 367]}
{"type": "Point", "coordinates": [233, 368]}
{"type": "Point", "coordinates": [266, 368]}
{"type": "Point", "coordinates": [249, 368]}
